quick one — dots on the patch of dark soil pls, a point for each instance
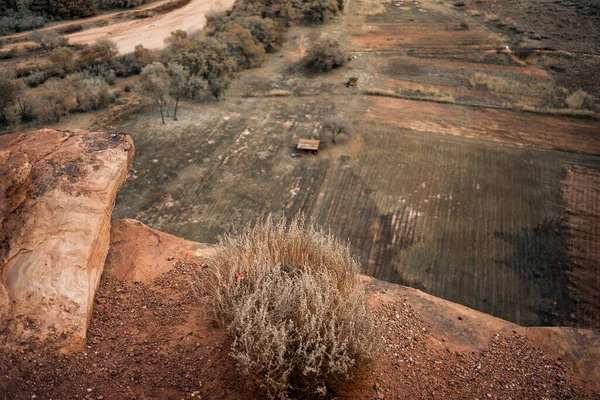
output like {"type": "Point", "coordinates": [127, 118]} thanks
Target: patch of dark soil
{"type": "Point", "coordinates": [566, 24]}
{"type": "Point", "coordinates": [540, 256]}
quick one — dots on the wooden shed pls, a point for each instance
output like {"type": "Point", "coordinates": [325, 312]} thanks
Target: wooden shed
{"type": "Point", "coordinates": [309, 144]}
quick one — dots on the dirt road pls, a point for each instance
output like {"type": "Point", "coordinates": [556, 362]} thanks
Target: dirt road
{"type": "Point", "coordinates": [151, 32]}
{"type": "Point", "coordinates": [101, 17]}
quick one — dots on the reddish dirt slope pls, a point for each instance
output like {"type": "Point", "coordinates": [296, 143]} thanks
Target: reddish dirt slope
{"type": "Point", "coordinates": [153, 340]}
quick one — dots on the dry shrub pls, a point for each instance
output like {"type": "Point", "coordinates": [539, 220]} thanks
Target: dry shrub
{"type": "Point", "coordinates": [371, 7]}
{"type": "Point", "coordinates": [291, 298]}
{"type": "Point", "coordinates": [580, 100]}
{"type": "Point", "coordinates": [380, 92]}
{"type": "Point", "coordinates": [564, 112]}
{"type": "Point", "coordinates": [326, 54]}
{"type": "Point", "coordinates": [496, 84]}
{"type": "Point", "coordinates": [279, 93]}
{"type": "Point", "coordinates": [414, 94]}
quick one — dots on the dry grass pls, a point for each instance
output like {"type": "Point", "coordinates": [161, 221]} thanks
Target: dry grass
{"type": "Point", "coordinates": [279, 93]}
{"type": "Point", "coordinates": [291, 298]}
{"type": "Point", "coordinates": [371, 7]}
{"type": "Point", "coordinates": [565, 112]}
{"type": "Point", "coordinates": [413, 94]}
{"type": "Point", "coordinates": [500, 85]}
{"type": "Point", "coordinates": [580, 100]}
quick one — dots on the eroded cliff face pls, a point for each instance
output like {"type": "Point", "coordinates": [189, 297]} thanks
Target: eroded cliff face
{"type": "Point", "coordinates": [57, 191]}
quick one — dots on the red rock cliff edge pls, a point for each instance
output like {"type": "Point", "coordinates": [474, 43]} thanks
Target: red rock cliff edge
{"type": "Point", "coordinates": [57, 191]}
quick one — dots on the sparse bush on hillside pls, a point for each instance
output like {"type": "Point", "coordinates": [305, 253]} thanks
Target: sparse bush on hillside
{"type": "Point", "coordinates": [53, 100]}
{"type": "Point", "coordinates": [580, 100]}
{"type": "Point", "coordinates": [63, 60]}
{"type": "Point", "coordinates": [107, 73]}
{"type": "Point", "coordinates": [48, 39]}
{"type": "Point", "coordinates": [91, 92]}
{"type": "Point", "coordinates": [297, 312]}
{"type": "Point", "coordinates": [105, 51]}
{"type": "Point", "coordinates": [38, 77]}
{"type": "Point", "coordinates": [132, 63]}
{"type": "Point", "coordinates": [325, 55]}
{"type": "Point", "coordinates": [154, 83]}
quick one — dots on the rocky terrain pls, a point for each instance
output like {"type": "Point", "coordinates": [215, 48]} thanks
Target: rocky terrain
{"type": "Point", "coordinates": [148, 335]}
{"type": "Point", "coordinates": [57, 191]}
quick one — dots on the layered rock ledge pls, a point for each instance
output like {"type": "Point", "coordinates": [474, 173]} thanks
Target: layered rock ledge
{"type": "Point", "coordinates": [57, 191]}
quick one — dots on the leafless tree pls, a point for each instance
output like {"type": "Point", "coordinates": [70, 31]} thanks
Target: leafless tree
{"type": "Point", "coordinates": [48, 39]}
{"type": "Point", "coordinates": [336, 124]}
{"type": "Point", "coordinates": [154, 83]}
{"type": "Point", "coordinates": [178, 83]}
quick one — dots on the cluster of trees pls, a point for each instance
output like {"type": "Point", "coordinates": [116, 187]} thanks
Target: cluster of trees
{"type": "Point", "coordinates": [78, 79]}
{"type": "Point", "coordinates": [232, 41]}
{"type": "Point", "coordinates": [74, 80]}
{"type": "Point", "coordinates": [54, 98]}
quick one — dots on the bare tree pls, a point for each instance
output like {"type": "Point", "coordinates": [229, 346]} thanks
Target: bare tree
{"type": "Point", "coordinates": [154, 83]}
{"type": "Point", "coordinates": [48, 40]}
{"type": "Point", "coordinates": [91, 91]}
{"type": "Point", "coordinates": [178, 83]}
{"type": "Point", "coordinates": [336, 124]}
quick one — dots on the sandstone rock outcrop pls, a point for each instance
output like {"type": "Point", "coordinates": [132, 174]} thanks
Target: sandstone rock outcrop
{"type": "Point", "coordinates": [57, 191]}
{"type": "Point", "coordinates": [139, 253]}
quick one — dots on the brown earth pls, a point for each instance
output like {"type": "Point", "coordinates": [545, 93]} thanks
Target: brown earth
{"type": "Point", "coordinates": [57, 192]}
{"type": "Point", "coordinates": [152, 339]}
{"type": "Point", "coordinates": [491, 124]}
{"type": "Point", "coordinates": [581, 189]}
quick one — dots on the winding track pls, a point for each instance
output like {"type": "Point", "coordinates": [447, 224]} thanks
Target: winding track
{"type": "Point", "coordinates": [150, 32]}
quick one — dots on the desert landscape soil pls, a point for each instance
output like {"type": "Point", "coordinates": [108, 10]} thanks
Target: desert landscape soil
{"type": "Point", "coordinates": [150, 32]}
{"type": "Point", "coordinates": [463, 201]}
{"type": "Point", "coordinates": [152, 339]}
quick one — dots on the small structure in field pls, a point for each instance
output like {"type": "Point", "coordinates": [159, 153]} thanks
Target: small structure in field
{"type": "Point", "coordinates": [352, 82]}
{"type": "Point", "coordinates": [309, 144]}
